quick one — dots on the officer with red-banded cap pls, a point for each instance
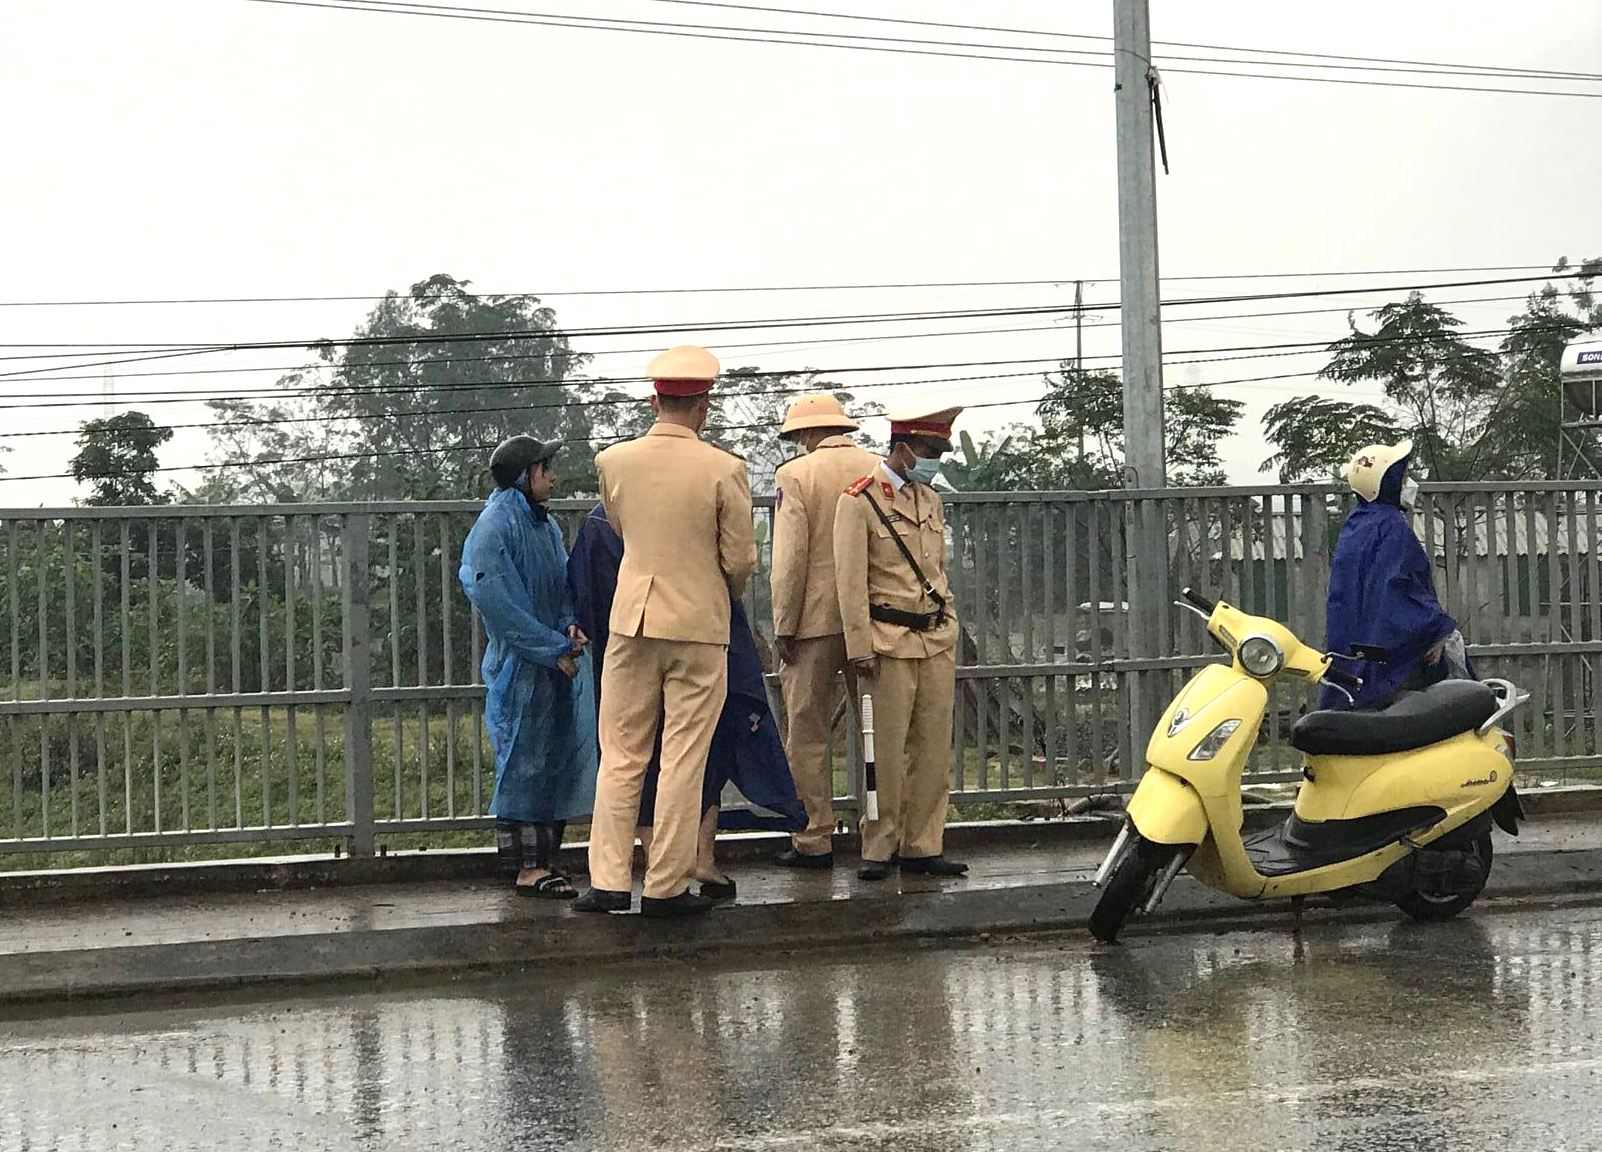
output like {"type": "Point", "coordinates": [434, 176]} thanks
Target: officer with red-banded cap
{"type": "Point", "coordinates": [901, 639]}
{"type": "Point", "coordinates": [683, 509]}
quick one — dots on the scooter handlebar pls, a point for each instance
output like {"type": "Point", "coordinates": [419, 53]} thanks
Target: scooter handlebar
{"type": "Point", "coordinates": [1343, 679]}
{"type": "Point", "coordinates": [1199, 600]}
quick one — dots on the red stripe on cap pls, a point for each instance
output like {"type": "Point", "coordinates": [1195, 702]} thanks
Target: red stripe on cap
{"type": "Point", "coordinates": [682, 387]}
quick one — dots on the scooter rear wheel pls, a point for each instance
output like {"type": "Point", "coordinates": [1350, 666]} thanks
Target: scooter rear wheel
{"type": "Point", "coordinates": [1430, 909]}
{"type": "Point", "coordinates": [1129, 886]}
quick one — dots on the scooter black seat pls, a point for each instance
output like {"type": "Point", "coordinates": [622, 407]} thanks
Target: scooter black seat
{"type": "Point", "coordinates": [1414, 720]}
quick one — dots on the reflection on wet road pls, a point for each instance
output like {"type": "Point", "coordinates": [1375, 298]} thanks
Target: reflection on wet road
{"type": "Point", "coordinates": [1478, 1033]}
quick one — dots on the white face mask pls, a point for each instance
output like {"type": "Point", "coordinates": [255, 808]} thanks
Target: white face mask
{"type": "Point", "coordinates": [1409, 492]}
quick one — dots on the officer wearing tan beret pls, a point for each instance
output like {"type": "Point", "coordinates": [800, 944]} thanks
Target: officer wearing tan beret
{"type": "Point", "coordinates": [901, 637]}
{"type": "Point", "coordinates": [683, 509]}
{"type": "Point", "coordinates": [806, 606]}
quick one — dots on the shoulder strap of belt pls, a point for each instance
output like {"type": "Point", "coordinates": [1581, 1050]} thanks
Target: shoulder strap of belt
{"type": "Point", "coordinates": [906, 553]}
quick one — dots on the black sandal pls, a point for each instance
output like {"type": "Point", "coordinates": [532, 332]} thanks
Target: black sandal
{"type": "Point", "coordinates": [551, 886]}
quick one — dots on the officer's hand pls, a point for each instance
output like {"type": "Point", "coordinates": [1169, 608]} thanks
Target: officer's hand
{"type": "Point", "coordinates": [1436, 653]}
{"type": "Point", "coordinates": [786, 647]}
{"type": "Point", "coordinates": [568, 666]}
{"type": "Point", "coordinates": [868, 667]}
{"type": "Point", "coordinates": [576, 634]}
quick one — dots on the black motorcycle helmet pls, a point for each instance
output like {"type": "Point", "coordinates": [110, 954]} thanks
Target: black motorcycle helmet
{"type": "Point", "coordinates": [514, 457]}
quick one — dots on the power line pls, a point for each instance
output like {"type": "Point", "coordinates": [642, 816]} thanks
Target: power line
{"type": "Point", "coordinates": [277, 390]}
{"type": "Point", "coordinates": [199, 348]}
{"type": "Point", "coordinates": [1470, 68]}
{"type": "Point", "coordinates": [1238, 353]}
{"type": "Point", "coordinates": [881, 44]}
{"type": "Point", "coordinates": [752, 288]}
{"type": "Point", "coordinates": [757, 426]}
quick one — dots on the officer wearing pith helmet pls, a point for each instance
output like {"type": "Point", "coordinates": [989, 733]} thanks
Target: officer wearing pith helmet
{"type": "Point", "coordinates": [901, 638]}
{"type": "Point", "coordinates": [683, 509]}
{"type": "Point", "coordinates": [806, 606]}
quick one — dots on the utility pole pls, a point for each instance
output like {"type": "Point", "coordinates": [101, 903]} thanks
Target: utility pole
{"type": "Point", "coordinates": [1079, 325]}
{"type": "Point", "coordinates": [1145, 528]}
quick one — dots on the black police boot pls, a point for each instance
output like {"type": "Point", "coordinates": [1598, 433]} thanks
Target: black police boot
{"type": "Point", "coordinates": [603, 900]}
{"type": "Point", "coordinates": [933, 866]}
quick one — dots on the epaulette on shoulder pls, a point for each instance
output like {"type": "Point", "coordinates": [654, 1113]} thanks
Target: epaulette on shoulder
{"type": "Point", "coordinates": [858, 487]}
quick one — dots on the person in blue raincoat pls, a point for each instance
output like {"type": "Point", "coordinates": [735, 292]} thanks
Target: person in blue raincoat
{"type": "Point", "coordinates": [1382, 592]}
{"type": "Point", "coordinates": [747, 751]}
{"type": "Point", "coordinates": [538, 705]}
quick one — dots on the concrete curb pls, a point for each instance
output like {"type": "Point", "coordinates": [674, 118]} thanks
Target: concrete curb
{"type": "Point", "coordinates": [21, 889]}
{"type": "Point", "coordinates": [32, 979]}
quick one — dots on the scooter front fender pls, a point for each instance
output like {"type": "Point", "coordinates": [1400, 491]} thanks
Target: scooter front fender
{"type": "Point", "coordinates": [1167, 810]}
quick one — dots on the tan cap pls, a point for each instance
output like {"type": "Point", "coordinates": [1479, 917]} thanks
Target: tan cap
{"type": "Point", "coordinates": [686, 370]}
{"type": "Point", "coordinates": [934, 425]}
{"type": "Point", "coordinates": [1368, 466]}
{"type": "Point", "coordinates": [816, 410]}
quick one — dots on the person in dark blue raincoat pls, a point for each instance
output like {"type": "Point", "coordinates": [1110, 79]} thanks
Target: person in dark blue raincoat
{"type": "Point", "coordinates": [538, 705]}
{"type": "Point", "coordinates": [1381, 590]}
{"type": "Point", "coordinates": [746, 752]}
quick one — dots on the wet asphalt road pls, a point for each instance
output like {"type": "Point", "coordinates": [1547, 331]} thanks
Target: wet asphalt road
{"type": "Point", "coordinates": [1475, 1034]}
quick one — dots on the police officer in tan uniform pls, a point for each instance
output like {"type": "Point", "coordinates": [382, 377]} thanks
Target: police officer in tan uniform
{"type": "Point", "coordinates": [806, 606]}
{"type": "Point", "coordinates": [683, 509]}
{"type": "Point", "coordinates": [901, 638]}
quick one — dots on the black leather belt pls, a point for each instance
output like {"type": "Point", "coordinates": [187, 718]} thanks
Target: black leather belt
{"type": "Point", "coordinates": [916, 621]}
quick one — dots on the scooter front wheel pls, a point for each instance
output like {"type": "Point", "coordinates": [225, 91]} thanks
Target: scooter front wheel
{"type": "Point", "coordinates": [1129, 885]}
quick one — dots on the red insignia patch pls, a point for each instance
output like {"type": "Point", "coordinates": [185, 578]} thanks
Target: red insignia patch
{"type": "Point", "coordinates": [889, 492]}
{"type": "Point", "coordinates": [858, 487]}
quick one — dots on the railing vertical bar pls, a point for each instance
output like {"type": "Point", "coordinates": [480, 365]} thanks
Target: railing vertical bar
{"type": "Point", "coordinates": [1048, 560]}
{"type": "Point", "coordinates": [1568, 566]}
{"type": "Point", "coordinates": [69, 565]}
{"type": "Point", "coordinates": [291, 682]}
{"type": "Point", "coordinates": [1554, 623]}
{"type": "Point", "coordinates": [958, 579]}
{"type": "Point", "coordinates": [208, 548]}
{"type": "Point", "coordinates": [1071, 553]}
{"type": "Point", "coordinates": [42, 563]}
{"type": "Point", "coordinates": [420, 561]}
{"type": "Point", "coordinates": [398, 753]}
{"type": "Point", "coordinates": [1275, 529]}
{"type": "Point", "coordinates": [264, 670]}
{"type": "Point", "coordinates": [180, 574]}
{"type": "Point", "coordinates": [356, 610]}
{"type": "Point", "coordinates": [320, 714]}
{"type": "Point", "coordinates": [1126, 690]}
{"type": "Point", "coordinates": [126, 610]}
{"type": "Point", "coordinates": [447, 660]}
{"type": "Point", "coordinates": [236, 661]}
{"type": "Point", "coordinates": [1095, 540]}
{"type": "Point", "coordinates": [475, 715]}
{"type": "Point", "coordinates": [13, 579]}
{"type": "Point", "coordinates": [153, 625]}
{"type": "Point", "coordinates": [1594, 603]}
{"type": "Point", "coordinates": [1028, 517]}
{"type": "Point", "coordinates": [14, 736]}
{"type": "Point", "coordinates": [96, 561]}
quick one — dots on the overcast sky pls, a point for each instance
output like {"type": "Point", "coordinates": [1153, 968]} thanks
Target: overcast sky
{"type": "Point", "coordinates": [215, 148]}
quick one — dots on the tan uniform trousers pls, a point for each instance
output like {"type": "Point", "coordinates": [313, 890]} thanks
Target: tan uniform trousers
{"type": "Point", "coordinates": [811, 691]}
{"type": "Point", "coordinates": [912, 717]}
{"type": "Point", "coordinates": [682, 685]}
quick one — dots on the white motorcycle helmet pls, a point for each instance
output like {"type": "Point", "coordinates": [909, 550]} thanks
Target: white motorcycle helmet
{"type": "Point", "coordinates": [1379, 472]}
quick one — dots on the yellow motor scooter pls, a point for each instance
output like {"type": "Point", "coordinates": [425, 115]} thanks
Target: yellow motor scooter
{"type": "Point", "coordinates": [1396, 804]}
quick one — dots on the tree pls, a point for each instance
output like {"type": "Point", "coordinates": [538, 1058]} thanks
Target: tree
{"type": "Point", "coordinates": [1315, 436]}
{"type": "Point", "coordinates": [412, 405]}
{"type": "Point", "coordinates": [117, 459]}
{"type": "Point", "coordinates": [748, 408]}
{"type": "Point", "coordinates": [1474, 413]}
{"type": "Point", "coordinates": [1079, 443]}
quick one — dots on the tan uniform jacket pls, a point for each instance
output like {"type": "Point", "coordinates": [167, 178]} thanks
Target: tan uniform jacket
{"type": "Point", "coordinates": [805, 602]}
{"type": "Point", "coordinates": [869, 568]}
{"type": "Point", "coordinates": [683, 509]}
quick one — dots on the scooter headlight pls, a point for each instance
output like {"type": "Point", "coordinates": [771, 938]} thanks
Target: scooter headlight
{"type": "Point", "coordinates": [1214, 741]}
{"type": "Point", "coordinates": [1260, 656]}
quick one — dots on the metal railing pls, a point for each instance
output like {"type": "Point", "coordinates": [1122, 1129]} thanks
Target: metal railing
{"type": "Point", "coordinates": [252, 675]}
